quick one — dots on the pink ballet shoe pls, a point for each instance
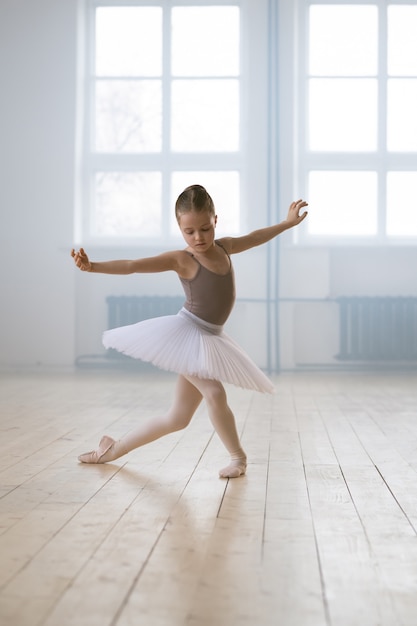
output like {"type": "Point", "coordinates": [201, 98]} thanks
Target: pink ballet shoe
{"type": "Point", "coordinates": [234, 470]}
{"type": "Point", "coordinates": [96, 455]}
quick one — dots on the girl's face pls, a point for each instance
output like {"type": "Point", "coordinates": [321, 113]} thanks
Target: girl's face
{"type": "Point", "coordinates": [198, 229]}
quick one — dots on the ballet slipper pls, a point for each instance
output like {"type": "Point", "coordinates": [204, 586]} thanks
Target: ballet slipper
{"type": "Point", "coordinates": [236, 468]}
{"type": "Point", "coordinates": [95, 456]}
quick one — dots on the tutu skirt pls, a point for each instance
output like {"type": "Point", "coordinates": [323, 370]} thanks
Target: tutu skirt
{"type": "Point", "coordinates": [187, 345]}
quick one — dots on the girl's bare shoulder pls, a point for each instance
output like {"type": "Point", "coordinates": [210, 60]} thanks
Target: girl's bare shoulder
{"type": "Point", "coordinates": [186, 264]}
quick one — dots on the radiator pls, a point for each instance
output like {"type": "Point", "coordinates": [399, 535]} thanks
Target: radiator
{"type": "Point", "coordinates": [378, 329]}
{"type": "Point", "coordinates": [125, 310]}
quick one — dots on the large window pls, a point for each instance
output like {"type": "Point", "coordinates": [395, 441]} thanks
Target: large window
{"type": "Point", "coordinates": [357, 103]}
{"type": "Point", "coordinates": [163, 111]}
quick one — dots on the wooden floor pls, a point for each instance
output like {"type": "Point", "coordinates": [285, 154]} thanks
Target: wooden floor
{"type": "Point", "coordinates": [322, 531]}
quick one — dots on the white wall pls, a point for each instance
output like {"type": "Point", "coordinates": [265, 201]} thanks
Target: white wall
{"type": "Point", "coordinates": [49, 312]}
{"type": "Point", "coordinates": [37, 104]}
{"type": "Point", "coordinates": [311, 278]}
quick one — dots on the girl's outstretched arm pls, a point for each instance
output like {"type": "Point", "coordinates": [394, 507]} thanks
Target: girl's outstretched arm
{"type": "Point", "coordinates": [258, 237]}
{"type": "Point", "coordinates": [161, 263]}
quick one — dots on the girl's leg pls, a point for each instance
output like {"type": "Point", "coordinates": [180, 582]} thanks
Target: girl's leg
{"type": "Point", "coordinates": [224, 424]}
{"type": "Point", "coordinates": [186, 401]}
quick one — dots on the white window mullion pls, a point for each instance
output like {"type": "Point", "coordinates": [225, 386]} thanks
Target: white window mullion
{"type": "Point", "coordinates": [382, 120]}
{"type": "Point", "coordinates": [303, 160]}
{"type": "Point", "coordinates": [167, 163]}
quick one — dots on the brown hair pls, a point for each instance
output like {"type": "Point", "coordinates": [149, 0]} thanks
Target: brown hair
{"type": "Point", "coordinates": [194, 198]}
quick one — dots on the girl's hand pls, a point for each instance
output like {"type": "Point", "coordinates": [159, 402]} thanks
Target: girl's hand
{"type": "Point", "coordinates": [81, 260]}
{"type": "Point", "coordinates": [294, 217]}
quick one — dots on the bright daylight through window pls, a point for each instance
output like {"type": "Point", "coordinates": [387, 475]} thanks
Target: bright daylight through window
{"type": "Point", "coordinates": [358, 146]}
{"type": "Point", "coordinates": [164, 111]}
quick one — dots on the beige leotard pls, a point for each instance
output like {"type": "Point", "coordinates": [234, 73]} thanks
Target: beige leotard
{"type": "Point", "coordinates": [210, 296]}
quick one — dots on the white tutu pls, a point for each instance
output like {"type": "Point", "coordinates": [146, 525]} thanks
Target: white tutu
{"type": "Point", "coordinates": [185, 344]}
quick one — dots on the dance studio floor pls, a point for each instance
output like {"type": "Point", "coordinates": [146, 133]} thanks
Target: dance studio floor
{"type": "Point", "coordinates": [322, 531]}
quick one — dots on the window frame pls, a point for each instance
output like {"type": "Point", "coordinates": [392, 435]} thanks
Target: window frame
{"type": "Point", "coordinates": [167, 161]}
{"type": "Point", "coordinates": [380, 161]}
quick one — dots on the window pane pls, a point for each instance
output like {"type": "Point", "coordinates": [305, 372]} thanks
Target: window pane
{"type": "Point", "coordinates": [127, 204]}
{"type": "Point", "coordinates": [205, 41]}
{"type": "Point", "coordinates": [343, 114]}
{"type": "Point", "coordinates": [205, 116]}
{"type": "Point", "coordinates": [402, 118]}
{"type": "Point", "coordinates": [343, 40]}
{"type": "Point", "coordinates": [128, 116]}
{"type": "Point", "coordinates": [402, 204]}
{"type": "Point", "coordinates": [128, 41]}
{"type": "Point", "coordinates": [402, 40]}
{"type": "Point", "coordinates": [345, 203]}
{"type": "Point", "coordinates": [224, 188]}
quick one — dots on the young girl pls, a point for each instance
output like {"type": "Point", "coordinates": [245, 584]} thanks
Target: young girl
{"type": "Point", "coordinates": [191, 343]}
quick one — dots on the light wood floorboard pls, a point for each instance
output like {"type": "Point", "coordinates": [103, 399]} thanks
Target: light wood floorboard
{"type": "Point", "coordinates": [322, 531]}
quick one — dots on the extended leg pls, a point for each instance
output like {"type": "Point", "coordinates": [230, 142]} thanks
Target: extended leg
{"type": "Point", "coordinates": [186, 401]}
{"type": "Point", "coordinates": [224, 424]}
